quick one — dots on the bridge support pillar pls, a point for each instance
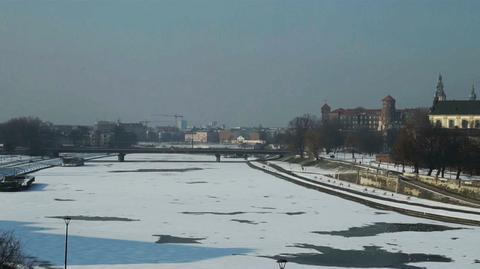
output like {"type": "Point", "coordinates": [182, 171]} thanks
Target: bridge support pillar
{"type": "Point", "coordinates": [217, 156]}
{"type": "Point", "coordinates": [121, 157]}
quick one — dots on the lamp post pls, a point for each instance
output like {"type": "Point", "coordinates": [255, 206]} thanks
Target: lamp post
{"type": "Point", "coordinates": [67, 221]}
{"type": "Point", "coordinates": [282, 263]}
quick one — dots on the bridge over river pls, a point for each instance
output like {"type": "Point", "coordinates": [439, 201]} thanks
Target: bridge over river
{"type": "Point", "coordinates": [217, 152]}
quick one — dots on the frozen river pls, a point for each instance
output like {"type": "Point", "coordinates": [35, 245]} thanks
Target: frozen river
{"type": "Point", "coordinates": [194, 213]}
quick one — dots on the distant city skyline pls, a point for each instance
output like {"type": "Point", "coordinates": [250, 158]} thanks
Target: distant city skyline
{"type": "Point", "coordinates": [242, 63]}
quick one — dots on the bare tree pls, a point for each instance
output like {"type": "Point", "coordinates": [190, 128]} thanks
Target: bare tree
{"type": "Point", "coordinates": [11, 254]}
{"type": "Point", "coordinates": [411, 146]}
{"type": "Point", "coordinates": [369, 141]}
{"type": "Point", "coordinates": [315, 139]}
{"type": "Point", "coordinates": [352, 142]}
{"type": "Point", "coordinates": [28, 132]}
{"type": "Point", "coordinates": [298, 129]}
{"type": "Point", "coordinates": [332, 138]}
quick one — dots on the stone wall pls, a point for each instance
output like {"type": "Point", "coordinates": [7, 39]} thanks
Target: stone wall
{"type": "Point", "coordinates": [380, 181]}
{"type": "Point", "coordinates": [470, 189]}
{"type": "Point", "coordinates": [393, 184]}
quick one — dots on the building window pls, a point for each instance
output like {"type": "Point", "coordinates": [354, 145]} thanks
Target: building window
{"type": "Point", "coordinates": [464, 124]}
{"type": "Point", "coordinates": [438, 123]}
{"type": "Point", "coordinates": [451, 124]}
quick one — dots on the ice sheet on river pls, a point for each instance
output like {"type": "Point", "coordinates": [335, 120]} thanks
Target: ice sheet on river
{"type": "Point", "coordinates": [157, 200]}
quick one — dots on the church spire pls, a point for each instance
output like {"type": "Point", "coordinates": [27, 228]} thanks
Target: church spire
{"type": "Point", "coordinates": [440, 93]}
{"type": "Point", "coordinates": [473, 95]}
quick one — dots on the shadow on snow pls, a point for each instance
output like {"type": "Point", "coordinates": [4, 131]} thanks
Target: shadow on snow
{"type": "Point", "coordinates": [96, 251]}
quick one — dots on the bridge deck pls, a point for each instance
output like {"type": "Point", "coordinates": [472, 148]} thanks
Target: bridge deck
{"type": "Point", "coordinates": [172, 150]}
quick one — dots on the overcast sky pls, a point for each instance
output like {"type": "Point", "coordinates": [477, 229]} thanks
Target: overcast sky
{"type": "Point", "coordinates": [236, 62]}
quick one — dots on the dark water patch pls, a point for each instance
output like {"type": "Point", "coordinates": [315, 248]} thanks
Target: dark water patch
{"type": "Point", "coordinates": [158, 170]}
{"type": "Point", "coordinates": [392, 244]}
{"type": "Point", "coordinates": [294, 213]}
{"type": "Point", "coordinates": [245, 221]}
{"type": "Point", "coordinates": [196, 182]}
{"type": "Point", "coordinates": [454, 238]}
{"type": "Point", "coordinates": [383, 227]}
{"type": "Point", "coordinates": [369, 256]}
{"type": "Point", "coordinates": [476, 261]}
{"type": "Point", "coordinates": [102, 251]}
{"type": "Point", "coordinates": [380, 213]}
{"type": "Point", "coordinates": [220, 213]}
{"type": "Point", "coordinates": [212, 213]}
{"type": "Point", "coordinates": [37, 187]}
{"type": "Point", "coordinates": [64, 200]}
{"type": "Point", "coordinates": [170, 239]}
{"type": "Point", "coordinates": [264, 207]}
{"type": "Point", "coordinates": [94, 218]}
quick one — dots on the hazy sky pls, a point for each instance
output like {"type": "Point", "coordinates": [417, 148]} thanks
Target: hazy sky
{"type": "Point", "coordinates": [238, 62]}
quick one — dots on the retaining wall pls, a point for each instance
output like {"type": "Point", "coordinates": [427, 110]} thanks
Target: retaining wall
{"type": "Point", "coordinates": [470, 189]}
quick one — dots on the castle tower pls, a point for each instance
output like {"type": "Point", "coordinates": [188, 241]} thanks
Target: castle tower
{"type": "Point", "coordinates": [439, 93]}
{"type": "Point", "coordinates": [387, 115]}
{"type": "Point", "coordinates": [473, 95]}
{"type": "Point", "coordinates": [325, 112]}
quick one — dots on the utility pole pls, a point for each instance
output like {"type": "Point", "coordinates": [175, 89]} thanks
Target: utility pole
{"type": "Point", "coordinates": [67, 221]}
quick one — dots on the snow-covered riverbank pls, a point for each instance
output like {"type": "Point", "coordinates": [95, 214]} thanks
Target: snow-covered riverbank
{"type": "Point", "coordinates": [374, 197]}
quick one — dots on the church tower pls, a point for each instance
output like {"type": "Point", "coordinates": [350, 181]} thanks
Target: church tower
{"type": "Point", "coordinates": [325, 112]}
{"type": "Point", "coordinates": [473, 95]}
{"type": "Point", "coordinates": [439, 93]}
{"type": "Point", "coordinates": [387, 115]}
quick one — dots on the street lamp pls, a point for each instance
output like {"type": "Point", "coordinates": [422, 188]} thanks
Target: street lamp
{"type": "Point", "coordinates": [282, 263]}
{"type": "Point", "coordinates": [67, 221]}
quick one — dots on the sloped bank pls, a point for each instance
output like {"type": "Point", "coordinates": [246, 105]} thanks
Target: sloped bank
{"type": "Point", "coordinates": [447, 213]}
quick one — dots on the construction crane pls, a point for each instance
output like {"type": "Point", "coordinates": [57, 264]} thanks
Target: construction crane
{"type": "Point", "coordinates": [175, 116]}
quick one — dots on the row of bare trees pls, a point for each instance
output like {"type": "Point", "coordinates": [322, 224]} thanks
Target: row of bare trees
{"type": "Point", "coordinates": [30, 133]}
{"type": "Point", "coordinates": [423, 145]}
{"type": "Point", "coordinates": [309, 134]}
{"type": "Point", "coordinates": [35, 136]}
{"type": "Point", "coordinates": [418, 143]}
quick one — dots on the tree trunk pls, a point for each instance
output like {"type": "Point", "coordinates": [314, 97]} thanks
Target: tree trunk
{"type": "Point", "coordinates": [430, 170]}
{"type": "Point", "coordinates": [459, 170]}
{"type": "Point", "coordinates": [443, 171]}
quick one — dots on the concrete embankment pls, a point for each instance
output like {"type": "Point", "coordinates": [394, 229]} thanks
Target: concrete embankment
{"type": "Point", "coordinates": [423, 187]}
{"type": "Point", "coordinates": [418, 208]}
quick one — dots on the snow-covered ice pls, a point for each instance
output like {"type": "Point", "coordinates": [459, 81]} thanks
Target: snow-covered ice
{"type": "Point", "coordinates": [242, 213]}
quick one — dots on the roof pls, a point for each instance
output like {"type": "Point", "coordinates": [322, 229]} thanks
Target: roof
{"type": "Point", "coordinates": [388, 98]}
{"type": "Point", "coordinates": [356, 111]}
{"type": "Point", "coordinates": [456, 107]}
